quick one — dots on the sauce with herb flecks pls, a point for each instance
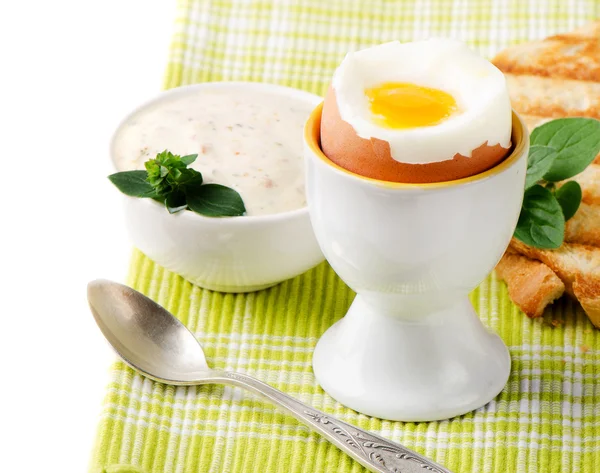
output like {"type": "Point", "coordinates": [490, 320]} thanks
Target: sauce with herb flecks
{"type": "Point", "coordinates": [249, 141]}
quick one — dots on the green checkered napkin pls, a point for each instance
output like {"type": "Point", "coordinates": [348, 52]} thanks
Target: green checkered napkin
{"type": "Point", "coordinates": [547, 419]}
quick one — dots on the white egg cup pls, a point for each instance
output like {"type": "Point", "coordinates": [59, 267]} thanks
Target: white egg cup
{"type": "Point", "coordinates": [411, 346]}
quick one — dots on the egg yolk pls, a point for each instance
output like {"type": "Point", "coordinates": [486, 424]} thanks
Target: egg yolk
{"type": "Point", "coordinates": [403, 105]}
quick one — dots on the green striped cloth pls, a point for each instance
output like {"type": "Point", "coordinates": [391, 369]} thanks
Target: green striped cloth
{"type": "Point", "coordinates": [547, 419]}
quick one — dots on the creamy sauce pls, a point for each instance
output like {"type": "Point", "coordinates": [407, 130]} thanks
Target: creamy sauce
{"type": "Point", "coordinates": [250, 141]}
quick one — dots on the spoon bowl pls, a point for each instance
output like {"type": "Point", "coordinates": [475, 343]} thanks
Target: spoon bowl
{"type": "Point", "coordinates": [145, 335]}
{"type": "Point", "coordinates": [155, 343]}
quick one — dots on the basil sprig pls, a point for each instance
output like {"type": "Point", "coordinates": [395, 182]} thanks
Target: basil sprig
{"type": "Point", "coordinates": [169, 180]}
{"type": "Point", "coordinates": [560, 149]}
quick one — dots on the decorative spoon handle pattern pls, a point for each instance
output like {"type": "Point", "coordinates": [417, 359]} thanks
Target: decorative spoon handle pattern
{"type": "Point", "coordinates": [372, 451]}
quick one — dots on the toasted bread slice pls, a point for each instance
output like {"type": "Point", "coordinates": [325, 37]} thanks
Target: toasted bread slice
{"type": "Point", "coordinates": [575, 55]}
{"type": "Point", "coordinates": [578, 266]}
{"type": "Point", "coordinates": [589, 30]}
{"type": "Point", "coordinates": [531, 284]}
{"type": "Point", "coordinates": [587, 292]}
{"type": "Point", "coordinates": [584, 226]}
{"type": "Point", "coordinates": [569, 261]}
{"type": "Point", "coordinates": [552, 78]}
{"type": "Point", "coordinates": [589, 180]}
{"type": "Point", "coordinates": [533, 121]}
{"type": "Point", "coordinates": [555, 77]}
{"type": "Point", "coordinates": [553, 97]}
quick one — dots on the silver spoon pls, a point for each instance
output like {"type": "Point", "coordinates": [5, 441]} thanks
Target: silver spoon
{"type": "Point", "coordinates": [155, 343]}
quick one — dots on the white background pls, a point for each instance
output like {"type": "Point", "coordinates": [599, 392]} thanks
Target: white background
{"type": "Point", "coordinates": [69, 70]}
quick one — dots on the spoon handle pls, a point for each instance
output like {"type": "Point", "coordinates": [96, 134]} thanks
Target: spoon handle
{"type": "Point", "coordinates": [372, 451]}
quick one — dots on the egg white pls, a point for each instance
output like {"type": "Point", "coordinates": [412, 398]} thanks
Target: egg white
{"type": "Point", "coordinates": [477, 86]}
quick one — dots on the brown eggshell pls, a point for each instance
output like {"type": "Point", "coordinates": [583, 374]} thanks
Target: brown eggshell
{"type": "Point", "coordinates": [372, 157]}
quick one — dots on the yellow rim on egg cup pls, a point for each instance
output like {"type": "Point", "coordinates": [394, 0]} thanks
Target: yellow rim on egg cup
{"type": "Point", "coordinates": [312, 136]}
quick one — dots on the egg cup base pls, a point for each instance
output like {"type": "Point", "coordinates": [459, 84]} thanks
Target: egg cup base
{"type": "Point", "coordinates": [413, 368]}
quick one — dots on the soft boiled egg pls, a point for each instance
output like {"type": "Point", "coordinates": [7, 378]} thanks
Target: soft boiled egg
{"type": "Point", "coordinates": [426, 111]}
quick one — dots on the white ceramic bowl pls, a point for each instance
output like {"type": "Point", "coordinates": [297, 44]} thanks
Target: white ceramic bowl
{"type": "Point", "coordinates": [229, 254]}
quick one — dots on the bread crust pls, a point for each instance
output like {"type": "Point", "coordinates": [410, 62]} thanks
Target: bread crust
{"type": "Point", "coordinates": [553, 97]}
{"type": "Point", "coordinates": [533, 121]}
{"type": "Point", "coordinates": [532, 285]}
{"type": "Point", "coordinates": [570, 261]}
{"type": "Point", "coordinates": [552, 78]}
{"type": "Point", "coordinates": [572, 55]}
{"type": "Point", "coordinates": [587, 292]}
{"type": "Point", "coordinates": [584, 226]}
{"type": "Point", "coordinates": [589, 180]}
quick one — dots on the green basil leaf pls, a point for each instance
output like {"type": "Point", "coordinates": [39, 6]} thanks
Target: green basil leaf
{"type": "Point", "coordinates": [539, 161]}
{"type": "Point", "coordinates": [174, 175]}
{"type": "Point", "coordinates": [175, 202]}
{"type": "Point", "coordinates": [541, 222]}
{"type": "Point", "coordinates": [165, 158]}
{"type": "Point", "coordinates": [155, 177]}
{"type": "Point", "coordinates": [168, 180]}
{"type": "Point", "coordinates": [180, 176]}
{"type": "Point", "coordinates": [189, 159]}
{"type": "Point", "coordinates": [215, 200]}
{"type": "Point", "coordinates": [133, 183]}
{"type": "Point", "coordinates": [152, 167]}
{"type": "Point", "coordinates": [576, 141]}
{"type": "Point", "coordinates": [569, 197]}
{"type": "Point", "coordinates": [193, 181]}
